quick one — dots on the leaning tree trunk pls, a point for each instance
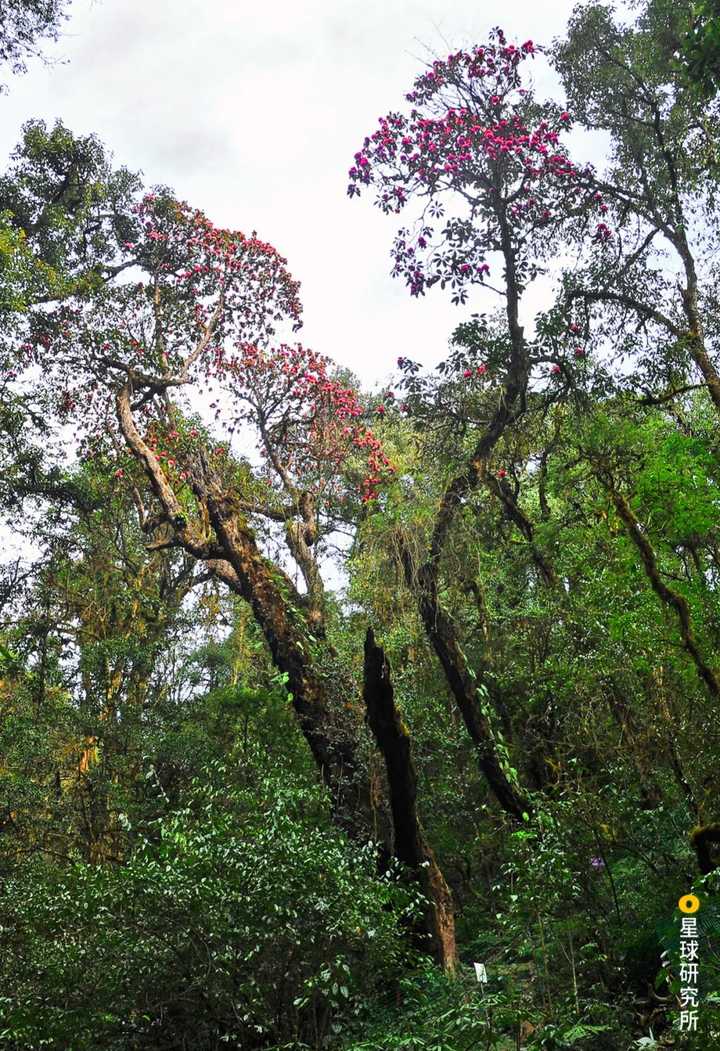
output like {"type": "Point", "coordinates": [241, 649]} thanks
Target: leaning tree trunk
{"type": "Point", "coordinates": [442, 635]}
{"type": "Point", "coordinates": [422, 581]}
{"type": "Point", "coordinates": [331, 740]}
{"type": "Point", "coordinates": [233, 556]}
{"type": "Point", "coordinates": [670, 598]}
{"type": "Point", "coordinates": [410, 845]}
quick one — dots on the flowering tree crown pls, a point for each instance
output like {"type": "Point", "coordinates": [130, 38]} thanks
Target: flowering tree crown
{"type": "Point", "coordinates": [473, 139]}
{"type": "Point", "coordinates": [203, 312]}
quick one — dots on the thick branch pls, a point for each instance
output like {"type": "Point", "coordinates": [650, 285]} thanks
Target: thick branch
{"type": "Point", "coordinates": [516, 514]}
{"type": "Point", "coordinates": [677, 603]}
{"type": "Point", "coordinates": [603, 295]}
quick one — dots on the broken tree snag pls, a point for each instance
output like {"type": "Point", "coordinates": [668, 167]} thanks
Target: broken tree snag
{"type": "Point", "coordinates": [701, 839]}
{"type": "Point", "coordinates": [410, 845]}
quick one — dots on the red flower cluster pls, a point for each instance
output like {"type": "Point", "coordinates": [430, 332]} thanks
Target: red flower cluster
{"type": "Point", "coordinates": [309, 422]}
{"type": "Point", "coordinates": [196, 279]}
{"type": "Point", "coordinates": [472, 133]}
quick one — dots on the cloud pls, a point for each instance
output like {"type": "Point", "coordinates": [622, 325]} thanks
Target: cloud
{"type": "Point", "coordinates": [253, 112]}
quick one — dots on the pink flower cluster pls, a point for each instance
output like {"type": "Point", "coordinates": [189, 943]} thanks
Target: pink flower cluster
{"type": "Point", "coordinates": [310, 422]}
{"type": "Point", "coordinates": [579, 351]}
{"type": "Point", "coordinates": [192, 272]}
{"type": "Point", "coordinates": [182, 243]}
{"type": "Point", "coordinates": [473, 135]}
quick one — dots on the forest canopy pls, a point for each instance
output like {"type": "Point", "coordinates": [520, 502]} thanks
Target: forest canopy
{"type": "Point", "coordinates": [314, 696]}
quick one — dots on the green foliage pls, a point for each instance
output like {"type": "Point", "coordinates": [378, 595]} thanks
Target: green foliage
{"type": "Point", "coordinates": [63, 196]}
{"type": "Point", "coordinates": [172, 871]}
{"type": "Point", "coordinates": [701, 48]}
{"type": "Point", "coordinates": [24, 25]}
{"type": "Point", "coordinates": [434, 1013]}
{"type": "Point", "coordinates": [242, 919]}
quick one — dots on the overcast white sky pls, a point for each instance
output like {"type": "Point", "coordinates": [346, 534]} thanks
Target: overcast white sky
{"type": "Point", "coordinates": [252, 112]}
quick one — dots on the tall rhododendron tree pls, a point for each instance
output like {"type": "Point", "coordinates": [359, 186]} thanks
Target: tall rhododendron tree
{"type": "Point", "coordinates": [482, 168]}
{"type": "Point", "coordinates": [487, 166]}
{"type": "Point", "coordinates": [202, 309]}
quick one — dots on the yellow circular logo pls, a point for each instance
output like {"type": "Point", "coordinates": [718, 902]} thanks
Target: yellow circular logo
{"type": "Point", "coordinates": [689, 903]}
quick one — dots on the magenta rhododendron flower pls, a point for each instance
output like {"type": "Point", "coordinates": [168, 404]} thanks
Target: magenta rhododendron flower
{"type": "Point", "coordinates": [311, 421]}
{"type": "Point", "coordinates": [473, 136]}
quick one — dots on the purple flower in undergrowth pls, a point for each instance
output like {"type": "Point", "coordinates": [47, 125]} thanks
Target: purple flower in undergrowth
{"type": "Point", "coordinates": [597, 863]}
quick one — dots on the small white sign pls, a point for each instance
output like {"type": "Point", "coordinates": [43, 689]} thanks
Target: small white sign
{"type": "Point", "coordinates": [481, 973]}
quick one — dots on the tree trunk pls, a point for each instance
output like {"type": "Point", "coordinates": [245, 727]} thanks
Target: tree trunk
{"type": "Point", "coordinates": [410, 844]}
{"type": "Point", "coordinates": [502, 491]}
{"type": "Point", "coordinates": [234, 557]}
{"type": "Point", "coordinates": [441, 632]}
{"type": "Point", "coordinates": [330, 737]}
